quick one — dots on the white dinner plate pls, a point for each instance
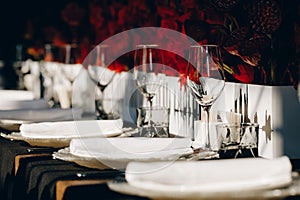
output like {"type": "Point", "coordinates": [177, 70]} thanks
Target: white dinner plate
{"type": "Point", "coordinates": [41, 142]}
{"type": "Point", "coordinates": [293, 189]}
{"type": "Point", "coordinates": [65, 155]}
{"type": "Point", "coordinates": [113, 162]}
{"type": "Point", "coordinates": [56, 142]}
{"type": "Point", "coordinates": [14, 121]}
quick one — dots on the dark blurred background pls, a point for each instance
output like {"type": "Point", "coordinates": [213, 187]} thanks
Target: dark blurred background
{"type": "Point", "coordinates": [14, 17]}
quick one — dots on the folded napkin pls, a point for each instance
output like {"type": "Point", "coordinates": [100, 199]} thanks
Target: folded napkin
{"type": "Point", "coordinates": [71, 71]}
{"type": "Point", "coordinates": [23, 104]}
{"type": "Point", "coordinates": [210, 176]}
{"type": "Point", "coordinates": [117, 152]}
{"type": "Point", "coordinates": [71, 129]}
{"type": "Point", "coordinates": [41, 115]}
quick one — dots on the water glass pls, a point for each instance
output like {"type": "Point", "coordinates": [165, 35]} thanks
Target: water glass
{"type": "Point", "coordinates": [236, 140]}
{"type": "Point", "coordinates": [159, 117]}
{"type": "Point", "coordinates": [112, 108]}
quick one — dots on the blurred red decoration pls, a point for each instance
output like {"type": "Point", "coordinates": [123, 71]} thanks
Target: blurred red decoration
{"type": "Point", "coordinates": [260, 38]}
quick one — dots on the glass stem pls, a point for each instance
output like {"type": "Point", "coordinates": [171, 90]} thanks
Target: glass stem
{"type": "Point", "coordinates": [99, 106]}
{"type": "Point", "coordinates": [151, 131]}
{"type": "Point", "coordinates": [99, 109]}
{"type": "Point", "coordinates": [150, 111]}
{"type": "Point", "coordinates": [207, 142]}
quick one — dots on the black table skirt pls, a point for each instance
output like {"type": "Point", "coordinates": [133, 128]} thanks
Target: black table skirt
{"type": "Point", "coordinates": [37, 176]}
{"type": "Point", "coordinates": [8, 151]}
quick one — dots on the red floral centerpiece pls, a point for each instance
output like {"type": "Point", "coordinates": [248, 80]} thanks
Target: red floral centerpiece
{"type": "Point", "coordinates": [259, 38]}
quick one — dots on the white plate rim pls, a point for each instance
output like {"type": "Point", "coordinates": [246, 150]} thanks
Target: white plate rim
{"type": "Point", "coordinates": [275, 193]}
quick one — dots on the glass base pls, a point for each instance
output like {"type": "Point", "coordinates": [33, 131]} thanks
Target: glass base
{"type": "Point", "coordinates": [201, 152]}
{"type": "Point", "coordinates": [238, 153]}
{"type": "Point", "coordinates": [154, 131]}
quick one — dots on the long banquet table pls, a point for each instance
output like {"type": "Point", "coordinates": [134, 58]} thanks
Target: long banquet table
{"type": "Point", "coordinates": [31, 173]}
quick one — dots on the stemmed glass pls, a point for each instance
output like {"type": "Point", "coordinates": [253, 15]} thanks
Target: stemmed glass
{"type": "Point", "coordinates": [101, 75]}
{"type": "Point", "coordinates": [70, 65]}
{"type": "Point", "coordinates": [49, 70]}
{"type": "Point", "coordinates": [18, 66]}
{"type": "Point", "coordinates": [71, 57]}
{"type": "Point", "coordinates": [206, 80]}
{"type": "Point", "coordinates": [149, 77]}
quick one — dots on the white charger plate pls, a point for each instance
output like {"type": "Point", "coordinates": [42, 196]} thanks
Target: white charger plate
{"type": "Point", "coordinates": [117, 162]}
{"type": "Point", "coordinates": [41, 142]}
{"type": "Point", "coordinates": [56, 142]}
{"type": "Point", "coordinates": [65, 155]}
{"type": "Point", "coordinates": [292, 189]}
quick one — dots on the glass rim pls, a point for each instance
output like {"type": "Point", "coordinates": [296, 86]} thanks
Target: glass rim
{"type": "Point", "coordinates": [156, 107]}
{"type": "Point", "coordinates": [204, 45]}
{"type": "Point", "coordinates": [242, 124]}
{"type": "Point", "coordinates": [146, 45]}
{"type": "Point", "coordinates": [101, 45]}
{"type": "Point", "coordinates": [72, 45]}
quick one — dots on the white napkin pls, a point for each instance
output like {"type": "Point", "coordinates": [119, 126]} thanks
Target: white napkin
{"type": "Point", "coordinates": [71, 129]}
{"type": "Point", "coordinates": [210, 176]}
{"type": "Point", "coordinates": [117, 152]}
{"type": "Point", "coordinates": [71, 71]}
{"type": "Point", "coordinates": [41, 115]}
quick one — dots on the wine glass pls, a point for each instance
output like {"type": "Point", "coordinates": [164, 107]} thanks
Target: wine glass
{"type": "Point", "coordinates": [18, 66]}
{"type": "Point", "coordinates": [101, 75]}
{"type": "Point", "coordinates": [206, 80]}
{"type": "Point", "coordinates": [149, 77]}
{"type": "Point", "coordinates": [49, 70]}
{"type": "Point", "coordinates": [70, 66]}
{"type": "Point", "coordinates": [70, 61]}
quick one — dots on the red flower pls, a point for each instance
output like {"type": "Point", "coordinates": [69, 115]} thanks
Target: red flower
{"type": "Point", "coordinates": [118, 67]}
{"type": "Point", "coordinates": [96, 17]}
{"type": "Point", "coordinates": [73, 14]}
{"type": "Point", "coordinates": [184, 17]}
{"type": "Point", "coordinates": [187, 4]}
{"type": "Point", "coordinates": [166, 12]}
{"type": "Point", "coordinates": [193, 75]}
{"type": "Point", "coordinates": [123, 17]}
{"type": "Point", "coordinates": [169, 23]}
{"type": "Point", "coordinates": [182, 80]}
{"type": "Point", "coordinates": [244, 73]}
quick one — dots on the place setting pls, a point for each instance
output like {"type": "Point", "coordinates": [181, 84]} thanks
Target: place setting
{"type": "Point", "coordinates": [214, 179]}
{"type": "Point", "coordinates": [149, 140]}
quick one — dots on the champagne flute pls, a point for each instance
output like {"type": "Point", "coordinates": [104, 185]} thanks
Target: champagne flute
{"type": "Point", "coordinates": [206, 80]}
{"type": "Point", "coordinates": [149, 77]}
{"type": "Point", "coordinates": [101, 75]}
